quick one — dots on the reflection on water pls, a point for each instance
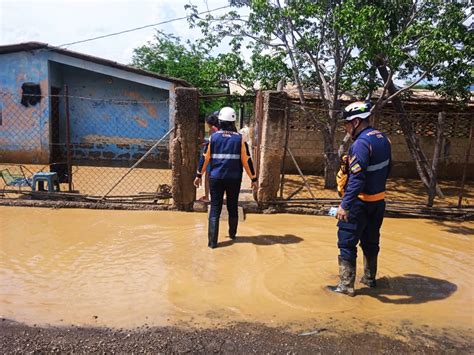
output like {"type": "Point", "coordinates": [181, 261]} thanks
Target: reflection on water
{"type": "Point", "coordinates": [128, 268]}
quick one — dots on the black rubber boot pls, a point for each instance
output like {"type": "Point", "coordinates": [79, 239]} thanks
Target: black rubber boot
{"type": "Point", "coordinates": [213, 232]}
{"type": "Point", "coordinates": [347, 274]}
{"type": "Point", "coordinates": [233, 223]}
{"type": "Point", "coordinates": [370, 270]}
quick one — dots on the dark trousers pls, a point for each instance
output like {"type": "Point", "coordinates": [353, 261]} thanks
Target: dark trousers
{"type": "Point", "coordinates": [364, 222]}
{"type": "Point", "coordinates": [217, 188]}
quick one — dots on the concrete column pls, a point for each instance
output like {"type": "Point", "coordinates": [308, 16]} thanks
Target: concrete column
{"type": "Point", "coordinates": [272, 145]}
{"type": "Point", "coordinates": [184, 147]}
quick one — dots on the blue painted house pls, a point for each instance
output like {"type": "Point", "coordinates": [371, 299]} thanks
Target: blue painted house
{"type": "Point", "coordinates": [113, 112]}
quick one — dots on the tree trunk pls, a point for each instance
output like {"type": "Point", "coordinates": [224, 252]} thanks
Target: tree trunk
{"type": "Point", "coordinates": [436, 154]}
{"type": "Point", "coordinates": [413, 144]}
{"type": "Point", "coordinates": [331, 157]}
{"type": "Point", "coordinates": [184, 151]}
{"type": "Point", "coordinates": [330, 161]}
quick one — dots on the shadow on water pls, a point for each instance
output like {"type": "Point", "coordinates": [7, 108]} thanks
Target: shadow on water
{"type": "Point", "coordinates": [454, 228]}
{"type": "Point", "coordinates": [409, 289]}
{"type": "Point", "coordinates": [264, 239]}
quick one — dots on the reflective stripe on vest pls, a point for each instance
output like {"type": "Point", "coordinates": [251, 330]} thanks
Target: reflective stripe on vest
{"type": "Point", "coordinates": [378, 166]}
{"type": "Point", "coordinates": [371, 198]}
{"type": "Point", "coordinates": [225, 156]}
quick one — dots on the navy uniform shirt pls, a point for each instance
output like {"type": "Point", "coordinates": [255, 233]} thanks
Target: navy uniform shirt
{"type": "Point", "coordinates": [227, 154]}
{"type": "Point", "coordinates": [369, 166]}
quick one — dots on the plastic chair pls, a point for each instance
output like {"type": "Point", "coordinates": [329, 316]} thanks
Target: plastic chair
{"type": "Point", "coordinates": [50, 178]}
{"type": "Point", "coordinates": [12, 180]}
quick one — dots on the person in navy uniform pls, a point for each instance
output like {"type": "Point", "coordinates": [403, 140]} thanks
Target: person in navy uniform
{"type": "Point", "coordinates": [361, 212]}
{"type": "Point", "coordinates": [212, 122]}
{"type": "Point", "coordinates": [227, 154]}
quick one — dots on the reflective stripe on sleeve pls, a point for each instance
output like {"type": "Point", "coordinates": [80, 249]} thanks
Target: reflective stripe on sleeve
{"type": "Point", "coordinates": [378, 166]}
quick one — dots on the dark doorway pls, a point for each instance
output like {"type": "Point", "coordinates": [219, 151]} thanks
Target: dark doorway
{"type": "Point", "coordinates": [58, 156]}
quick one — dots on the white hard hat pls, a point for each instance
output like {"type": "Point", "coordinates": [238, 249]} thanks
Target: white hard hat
{"type": "Point", "coordinates": [227, 114]}
{"type": "Point", "coordinates": [357, 109]}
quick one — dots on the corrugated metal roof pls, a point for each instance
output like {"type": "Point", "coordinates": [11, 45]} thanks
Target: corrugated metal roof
{"type": "Point", "coordinates": [33, 46]}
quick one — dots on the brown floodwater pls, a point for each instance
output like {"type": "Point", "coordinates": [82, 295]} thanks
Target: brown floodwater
{"type": "Point", "coordinates": [130, 268]}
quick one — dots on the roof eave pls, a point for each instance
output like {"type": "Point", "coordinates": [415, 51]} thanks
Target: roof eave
{"type": "Point", "coordinates": [31, 46]}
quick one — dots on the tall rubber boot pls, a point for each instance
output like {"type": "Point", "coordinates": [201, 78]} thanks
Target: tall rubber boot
{"type": "Point", "coordinates": [233, 223]}
{"type": "Point", "coordinates": [213, 232]}
{"type": "Point", "coordinates": [347, 274]}
{"type": "Point", "coordinates": [370, 270]}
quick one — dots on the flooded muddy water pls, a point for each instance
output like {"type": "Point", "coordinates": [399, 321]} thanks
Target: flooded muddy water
{"type": "Point", "coordinates": [129, 268]}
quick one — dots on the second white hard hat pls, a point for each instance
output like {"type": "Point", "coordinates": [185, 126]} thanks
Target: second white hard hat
{"type": "Point", "coordinates": [227, 114]}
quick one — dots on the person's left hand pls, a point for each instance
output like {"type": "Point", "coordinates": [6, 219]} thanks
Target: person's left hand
{"type": "Point", "coordinates": [254, 186]}
{"type": "Point", "coordinates": [197, 181]}
{"type": "Point", "coordinates": [341, 214]}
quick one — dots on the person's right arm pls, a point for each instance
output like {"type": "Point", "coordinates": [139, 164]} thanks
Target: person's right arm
{"type": "Point", "coordinates": [203, 162]}
{"type": "Point", "coordinates": [358, 162]}
{"type": "Point", "coordinates": [248, 163]}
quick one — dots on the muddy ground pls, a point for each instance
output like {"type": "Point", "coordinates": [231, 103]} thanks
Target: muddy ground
{"type": "Point", "coordinates": [238, 338]}
{"type": "Point", "coordinates": [113, 271]}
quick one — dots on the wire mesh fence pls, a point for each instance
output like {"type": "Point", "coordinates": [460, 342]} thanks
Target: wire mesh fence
{"type": "Point", "coordinates": [90, 143]}
{"type": "Point", "coordinates": [304, 164]}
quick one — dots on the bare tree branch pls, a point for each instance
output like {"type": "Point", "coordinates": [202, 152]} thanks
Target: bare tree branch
{"type": "Point", "coordinates": [378, 104]}
{"type": "Point", "coordinates": [404, 89]}
{"type": "Point", "coordinates": [319, 67]}
{"type": "Point", "coordinates": [294, 65]}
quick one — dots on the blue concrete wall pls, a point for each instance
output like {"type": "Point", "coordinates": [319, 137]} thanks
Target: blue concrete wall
{"type": "Point", "coordinates": [55, 75]}
{"type": "Point", "coordinates": [24, 132]}
{"type": "Point", "coordinates": [110, 118]}
{"type": "Point", "coordinates": [113, 119]}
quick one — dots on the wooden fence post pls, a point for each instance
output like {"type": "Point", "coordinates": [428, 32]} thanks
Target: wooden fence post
{"type": "Point", "coordinates": [184, 147]}
{"type": "Point", "coordinates": [272, 145]}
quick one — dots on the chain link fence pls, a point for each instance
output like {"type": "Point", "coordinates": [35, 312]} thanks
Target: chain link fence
{"type": "Point", "coordinates": [304, 162]}
{"type": "Point", "coordinates": [89, 142]}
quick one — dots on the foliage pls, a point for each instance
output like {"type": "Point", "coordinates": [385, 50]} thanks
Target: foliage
{"type": "Point", "coordinates": [191, 61]}
{"type": "Point", "coordinates": [349, 46]}
{"type": "Point", "coordinates": [336, 46]}
{"type": "Point", "coordinates": [417, 40]}
{"type": "Point", "coordinates": [167, 55]}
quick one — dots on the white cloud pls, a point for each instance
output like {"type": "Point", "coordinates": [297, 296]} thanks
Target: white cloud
{"type": "Point", "coordinates": [64, 21]}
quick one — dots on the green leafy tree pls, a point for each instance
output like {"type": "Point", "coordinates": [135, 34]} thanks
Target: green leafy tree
{"type": "Point", "coordinates": [415, 41]}
{"type": "Point", "coordinates": [166, 54]}
{"type": "Point", "coordinates": [351, 46]}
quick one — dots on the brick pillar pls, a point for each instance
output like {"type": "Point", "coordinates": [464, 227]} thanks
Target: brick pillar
{"type": "Point", "coordinates": [184, 147]}
{"type": "Point", "coordinates": [272, 145]}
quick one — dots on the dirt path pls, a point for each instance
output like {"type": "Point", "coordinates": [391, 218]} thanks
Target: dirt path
{"type": "Point", "coordinates": [239, 338]}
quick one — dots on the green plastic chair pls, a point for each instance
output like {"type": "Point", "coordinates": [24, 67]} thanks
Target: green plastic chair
{"type": "Point", "coordinates": [13, 180]}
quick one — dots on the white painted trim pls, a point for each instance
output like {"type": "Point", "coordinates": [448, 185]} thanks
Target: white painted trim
{"type": "Point", "coordinates": [107, 70]}
{"type": "Point", "coordinates": [172, 116]}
